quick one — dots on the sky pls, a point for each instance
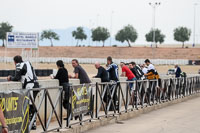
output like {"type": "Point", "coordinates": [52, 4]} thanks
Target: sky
{"type": "Point", "coordinates": [38, 15]}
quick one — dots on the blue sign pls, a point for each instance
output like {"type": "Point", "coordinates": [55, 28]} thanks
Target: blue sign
{"type": "Point", "coordinates": [11, 38]}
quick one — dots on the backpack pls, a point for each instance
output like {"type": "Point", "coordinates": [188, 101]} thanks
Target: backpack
{"type": "Point", "coordinates": [139, 71]}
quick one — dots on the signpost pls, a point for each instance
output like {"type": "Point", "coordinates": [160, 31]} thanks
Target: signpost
{"type": "Point", "coordinates": [22, 40]}
{"type": "Point", "coordinates": [27, 41]}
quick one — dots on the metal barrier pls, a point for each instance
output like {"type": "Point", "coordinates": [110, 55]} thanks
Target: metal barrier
{"type": "Point", "coordinates": [93, 101]}
{"type": "Point", "coordinates": [46, 99]}
{"type": "Point", "coordinates": [111, 99]}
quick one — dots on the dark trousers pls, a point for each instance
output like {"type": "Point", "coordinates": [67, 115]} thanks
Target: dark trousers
{"type": "Point", "coordinates": [66, 98]}
{"type": "Point", "coordinates": [31, 108]}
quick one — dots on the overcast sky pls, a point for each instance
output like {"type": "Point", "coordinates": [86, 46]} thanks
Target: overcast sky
{"type": "Point", "coordinates": [37, 15]}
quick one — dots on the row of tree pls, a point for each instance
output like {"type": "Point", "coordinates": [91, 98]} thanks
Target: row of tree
{"type": "Point", "coordinates": [126, 34]}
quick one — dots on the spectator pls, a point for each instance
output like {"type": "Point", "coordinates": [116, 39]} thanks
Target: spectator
{"type": "Point", "coordinates": [62, 76]}
{"type": "Point", "coordinates": [102, 73]}
{"type": "Point", "coordinates": [177, 71]}
{"type": "Point", "coordinates": [26, 74]}
{"type": "Point", "coordinates": [112, 69]}
{"type": "Point", "coordinates": [3, 123]}
{"type": "Point", "coordinates": [126, 72]}
{"type": "Point", "coordinates": [79, 73]}
{"type": "Point", "coordinates": [136, 70]}
{"type": "Point", "coordinates": [144, 68]}
{"type": "Point", "coordinates": [151, 71]}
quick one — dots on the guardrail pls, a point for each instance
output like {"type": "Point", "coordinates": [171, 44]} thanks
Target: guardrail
{"type": "Point", "coordinates": [114, 98]}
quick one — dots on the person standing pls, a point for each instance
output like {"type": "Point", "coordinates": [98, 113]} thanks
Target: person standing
{"type": "Point", "coordinates": [25, 73]}
{"type": "Point", "coordinates": [177, 71]}
{"type": "Point", "coordinates": [112, 69]}
{"type": "Point", "coordinates": [79, 73]}
{"type": "Point", "coordinates": [151, 71]}
{"type": "Point", "coordinates": [126, 72]}
{"type": "Point", "coordinates": [62, 76]}
{"type": "Point", "coordinates": [136, 70]}
{"type": "Point", "coordinates": [102, 73]}
{"type": "Point", "coordinates": [3, 123]}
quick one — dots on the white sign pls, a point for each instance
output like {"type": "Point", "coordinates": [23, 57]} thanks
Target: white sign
{"type": "Point", "coordinates": [22, 40]}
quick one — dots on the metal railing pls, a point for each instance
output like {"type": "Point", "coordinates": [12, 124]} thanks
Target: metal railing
{"type": "Point", "coordinates": [50, 106]}
{"type": "Point", "coordinates": [108, 99]}
{"type": "Point", "coordinates": [114, 98]}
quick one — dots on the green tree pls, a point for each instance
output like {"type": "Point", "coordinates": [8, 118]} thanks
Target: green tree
{"type": "Point", "coordinates": [79, 34]}
{"type": "Point", "coordinates": [182, 34]}
{"type": "Point", "coordinates": [159, 37]}
{"type": "Point", "coordinates": [4, 28]}
{"type": "Point", "coordinates": [49, 34]}
{"type": "Point", "coordinates": [100, 34]}
{"type": "Point", "coordinates": [128, 34]}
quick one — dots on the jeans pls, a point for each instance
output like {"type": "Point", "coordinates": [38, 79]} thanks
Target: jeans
{"type": "Point", "coordinates": [131, 84]}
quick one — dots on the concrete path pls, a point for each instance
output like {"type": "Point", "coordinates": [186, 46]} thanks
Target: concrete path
{"type": "Point", "coordinates": [178, 118]}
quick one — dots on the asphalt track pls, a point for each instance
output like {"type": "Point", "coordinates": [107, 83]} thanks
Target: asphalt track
{"type": "Point", "coordinates": [178, 118]}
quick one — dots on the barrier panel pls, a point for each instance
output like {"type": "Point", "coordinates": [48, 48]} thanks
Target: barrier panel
{"type": "Point", "coordinates": [15, 106]}
{"type": "Point", "coordinates": [49, 108]}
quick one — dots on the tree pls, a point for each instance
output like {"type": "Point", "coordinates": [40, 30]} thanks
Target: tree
{"type": "Point", "coordinates": [4, 28]}
{"type": "Point", "coordinates": [79, 34]}
{"type": "Point", "coordinates": [100, 34]}
{"type": "Point", "coordinates": [128, 33]}
{"type": "Point", "coordinates": [49, 34]}
{"type": "Point", "coordinates": [182, 34]}
{"type": "Point", "coordinates": [159, 37]}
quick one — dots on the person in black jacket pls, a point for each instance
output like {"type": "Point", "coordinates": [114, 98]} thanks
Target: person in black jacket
{"type": "Point", "coordinates": [102, 73]}
{"type": "Point", "coordinates": [62, 76]}
{"type": "Point", "coordinates": [177, 71]}
{"type": "Point", "coordinates": [136, 70]}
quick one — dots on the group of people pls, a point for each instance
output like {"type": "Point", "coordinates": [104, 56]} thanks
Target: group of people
{"type": "Point", "coordinates": [26, 74]}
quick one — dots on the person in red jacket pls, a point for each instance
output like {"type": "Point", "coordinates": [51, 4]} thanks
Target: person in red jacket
{"type": "Point", "coordinates": [126, 72]}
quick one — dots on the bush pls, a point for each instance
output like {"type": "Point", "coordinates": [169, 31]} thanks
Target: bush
{"type": "Point", "coordinates": [114, 45]}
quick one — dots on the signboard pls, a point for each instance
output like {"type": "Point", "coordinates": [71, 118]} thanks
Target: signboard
{"type": "Point", "coordinates": [16, 110]}
{"type": "Point", "coordinates": [81, 99]}
{"type": "Point", "coordinates": [22, 40]}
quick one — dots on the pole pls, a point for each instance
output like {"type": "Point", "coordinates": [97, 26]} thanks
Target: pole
{"type": "Point", "coordinates": [111, 22]}
{"type": "Point", "coordinates": [154, 5]}
{"type": "Point", "coordinates": [194, 34]}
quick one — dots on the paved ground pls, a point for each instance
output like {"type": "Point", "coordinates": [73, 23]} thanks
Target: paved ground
{"type": "Point", "coordinates": [179, 118]}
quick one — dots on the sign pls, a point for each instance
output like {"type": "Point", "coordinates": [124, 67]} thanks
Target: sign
{"type": "Point", "coordinates": [22, 40]}
{"type": "Point", "coordinates": [81, 99]}
{"type": "Point", "coordinates": [15, 105]}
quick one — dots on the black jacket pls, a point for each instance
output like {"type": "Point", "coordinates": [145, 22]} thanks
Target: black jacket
{"type": "Point", "coordinates": [103, 74]}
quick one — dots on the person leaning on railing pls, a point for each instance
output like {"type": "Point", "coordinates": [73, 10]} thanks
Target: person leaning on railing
{"type": "Point", "coordinates": [151, 71]}
{"type": "Point", "coordinates": [62, 76]}
{"type": "Point", "coordinates": [3, 123]}
{"type": "Point", "coordinates": [26, 74]}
